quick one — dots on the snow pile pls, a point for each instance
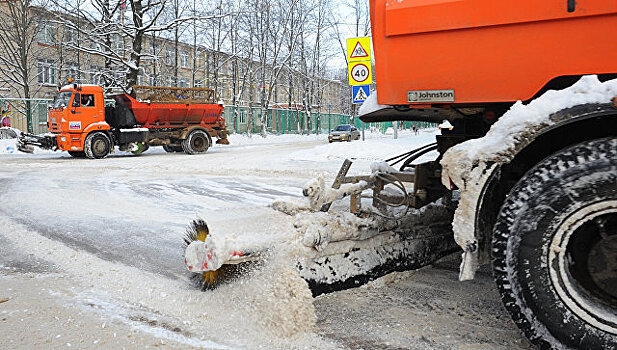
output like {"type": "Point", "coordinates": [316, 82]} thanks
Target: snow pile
{"type": "Point", "coordinates": [470, 163]}
{"type": "Point", "coordinates": [375, 147]}
{"type": "Point", "coordinates": [274, 301]}
{"type": "Point", "coordinates": [371, 105]}
{"type": "Point", "coordinates": [320, 228]}
{"type": "Point", "coordinates": [382, 167]}
{"type": "Point", "coordinates": [8, 147]}
{"type": "Point", "coordinates": [280, 301]}
{"type": "Point", "coordinates": [256, 139]}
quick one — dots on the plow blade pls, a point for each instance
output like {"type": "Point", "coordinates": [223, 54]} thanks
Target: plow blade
{"type": "Point", "coordinates": [26, 142]}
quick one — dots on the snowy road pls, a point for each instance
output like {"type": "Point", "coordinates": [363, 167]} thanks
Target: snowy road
{"type": "Point", "coordinates": [103, 238]}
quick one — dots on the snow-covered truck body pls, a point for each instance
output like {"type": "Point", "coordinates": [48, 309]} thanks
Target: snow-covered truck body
{"type": "Point", "coordinates": [537, 177]}
{"type": "Point", "coordinates": [179, 119]}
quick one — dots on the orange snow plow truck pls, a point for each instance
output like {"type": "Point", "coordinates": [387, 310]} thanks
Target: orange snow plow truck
{"type": "Point", "coordinates": [179, 119]}
{"type": "Point", "coordinates": [529, 88]}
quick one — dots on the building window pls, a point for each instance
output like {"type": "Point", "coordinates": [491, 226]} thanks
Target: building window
{"type": "Point", "coordinates": [152, 47]}
{"type": "Point", "coordinates": [152, 80]}
{"type": "Point", "coordinates": [184, 59]}
{"type": "Point", "coordinates": [169, 55]}
{"type": "Point", "coordinates": [199, 83]}
{"type": "Point", "coordinates": [184, 83]}
{"type": "Point", "coordinates": [95, 45]}
{"type": "Point", "coordinates": [47, 33]}
{"type": "Point", "coordinates": [96, 75]}
{"type": "Point", "coordinates": [72, 71]}
{"type": "Point", "coordinates": [70, 36]}
{"type": "Point", "coordinates": [46, 72]}
{"type": "Point", "coordinates": [117, 42]}
{"type": "Point", "coordinates": [241, 116]}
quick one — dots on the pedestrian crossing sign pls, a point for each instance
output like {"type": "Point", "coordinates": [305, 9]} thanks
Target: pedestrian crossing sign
{"type": "Point", "coordinates": [359, 93]}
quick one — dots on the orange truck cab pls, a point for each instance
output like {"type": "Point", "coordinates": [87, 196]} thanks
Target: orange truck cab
{"type": "Point", "coordinates": [82, 124]}
{"type": "Point", "coordinates": [76, 112]}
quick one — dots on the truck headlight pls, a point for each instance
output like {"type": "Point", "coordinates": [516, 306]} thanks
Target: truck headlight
{"type": "Point", "coordinates": [63, 139]}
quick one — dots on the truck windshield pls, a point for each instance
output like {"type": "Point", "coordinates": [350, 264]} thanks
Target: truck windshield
{"type": "Point", "coordinates": [343, 128]}
{"type": "Point", "coordinates": [63, 99]}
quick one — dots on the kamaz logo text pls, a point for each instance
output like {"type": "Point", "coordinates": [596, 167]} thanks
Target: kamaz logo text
{"type": "Point", "coordinates": [430, 96]}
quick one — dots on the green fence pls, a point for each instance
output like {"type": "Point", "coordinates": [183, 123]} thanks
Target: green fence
{"type": "Point", "coordinates": [292, 121]}
{"type": "Point", "coordinates": [26, 114]}
{"type": "Point", "coordinates": [31, 115]}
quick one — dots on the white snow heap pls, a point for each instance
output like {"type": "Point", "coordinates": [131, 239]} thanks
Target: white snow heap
{"type": "Point", "coordinates": [370, 105]}
{"type": "Point", "coordinates": [321, 228]}
{"type": "Point", "coordinates": [382, 167]}
{"type": "Point", "coordinates": [470, 163]}
{"type": "Point", "coordinates": [446, 125]}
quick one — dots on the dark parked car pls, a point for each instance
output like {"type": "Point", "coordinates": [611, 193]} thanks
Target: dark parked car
{"type": "Point", "coordinates": [344, 133]}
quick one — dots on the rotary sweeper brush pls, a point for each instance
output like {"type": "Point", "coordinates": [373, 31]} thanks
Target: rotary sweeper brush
{"type": "Point", "coordinates": [209, 270]}
{"type": "Point", "coordinates": [339, 249]}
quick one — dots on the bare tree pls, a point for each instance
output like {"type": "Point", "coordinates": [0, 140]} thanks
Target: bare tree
{"type": "Point", "coordinates": [271, 28]}
{"type": "Point", "coordinates": [19, 26]}
{"type": "Point", "coordinates": [119, 37]}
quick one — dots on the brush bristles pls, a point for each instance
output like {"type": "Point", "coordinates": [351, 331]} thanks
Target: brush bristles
{"type": "Point", "coordinates": [197, 231]}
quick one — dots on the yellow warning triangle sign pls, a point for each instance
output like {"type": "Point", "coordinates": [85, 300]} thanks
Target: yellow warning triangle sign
{"type": "Point", "coordinates": [358, 51]}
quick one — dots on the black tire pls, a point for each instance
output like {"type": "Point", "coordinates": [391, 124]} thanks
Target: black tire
{"type": "Point", "coordinates": [555, 249]}
{"type": "Point", "coordinates": [97, 145]}
{"type": "Point", "coordinates": [197, 142]}
{"type": "Point", "coordinates": [77, 154]}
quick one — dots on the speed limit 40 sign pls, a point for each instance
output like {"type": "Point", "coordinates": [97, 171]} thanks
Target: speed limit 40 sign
{"type": "Point", "coordinates": [360, 73]}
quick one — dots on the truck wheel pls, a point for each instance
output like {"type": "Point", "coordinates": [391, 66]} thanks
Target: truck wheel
{"type": "Point", "coordinates": [97, 145]}
{"type": "Point", "coordinates": [196, 142]}
{"type": "Point", "coordinates": [555, 249]}
{"type": "Point", "coordinates": [77, 154]}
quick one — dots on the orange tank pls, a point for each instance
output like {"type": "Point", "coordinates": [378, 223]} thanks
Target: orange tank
{"type": "Point", "coordinates": [483, 51]}
{"type": "Point", "coordinates": [155, 115]}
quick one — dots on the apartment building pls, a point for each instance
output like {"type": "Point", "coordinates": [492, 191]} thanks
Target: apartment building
{"type": "Point", "coordinates": [59, 52]}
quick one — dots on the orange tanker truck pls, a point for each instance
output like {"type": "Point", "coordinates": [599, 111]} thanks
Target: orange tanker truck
{"type": "Point", "coordinates": [179, 119]}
